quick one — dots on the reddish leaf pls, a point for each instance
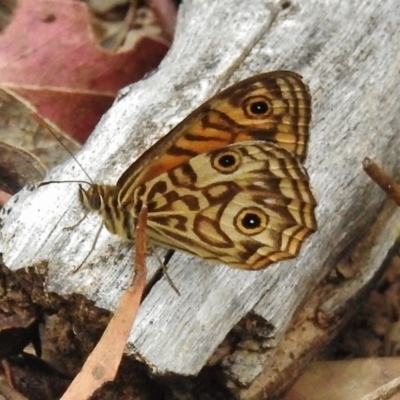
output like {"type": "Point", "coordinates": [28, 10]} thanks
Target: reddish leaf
{"type": "Point", "coordinates": [59, 68]}
{"type": "Point", "coordinates": [102, 364]}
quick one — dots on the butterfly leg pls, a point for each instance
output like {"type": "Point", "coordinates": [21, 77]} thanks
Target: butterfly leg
{"type": "Point", "coordinates": [71, 227]}
{"type": "Point", "coordinates": [168, 256]}
{"type": "Point", "coordinates": [165, 270]}
{"type": "Point", "coordinates": [90, 251]}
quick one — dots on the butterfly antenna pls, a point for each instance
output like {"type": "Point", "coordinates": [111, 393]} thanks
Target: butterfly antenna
{"type": "Point", "coordinates": [50, 129]}
{"type": "Point", "coordinates": [48, 183]}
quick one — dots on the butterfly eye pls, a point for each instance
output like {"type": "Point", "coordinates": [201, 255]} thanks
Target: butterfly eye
{"type": "Point", "coordinates": [95, 201]}
{"type": "Point", "coordinates": [251, 221]}
{"type": "Point", "coordinates": [257, 107]}
{"type": "Point", "coordinates": [227, 162]}
{"type": "Point", "coordinates": [91, 198]}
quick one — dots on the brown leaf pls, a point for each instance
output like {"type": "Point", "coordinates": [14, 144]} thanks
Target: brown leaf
{"type": "Point", "coordinates": [20, 127]}
{"type": "Point", "coordinates": [338, 380]}
{"type": "Point", "coordinates": [17, 168]}
{"type": "Point", "coordinates": [102, 364]}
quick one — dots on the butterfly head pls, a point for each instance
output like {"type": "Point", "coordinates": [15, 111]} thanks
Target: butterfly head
{"type": "Point", "coordinates": [103, 200]}
{"type": "Point", "coordinates": [93, 198]}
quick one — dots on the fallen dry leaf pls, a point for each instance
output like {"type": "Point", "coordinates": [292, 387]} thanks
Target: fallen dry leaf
{"type": "Point", "coordinates": [17, 168]}
{"type": "Point", "coordinates": [61, 70]}
{"type": "Point", "coordinates": [347, 379]}
{"type": "Point", "coordinates": [20, 127]}
{"type": "Point", "coordinates": [102, 364]}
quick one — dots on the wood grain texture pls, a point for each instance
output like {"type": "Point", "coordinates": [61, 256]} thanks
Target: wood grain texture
{"type": "Point", "coordinates": [348, 53]}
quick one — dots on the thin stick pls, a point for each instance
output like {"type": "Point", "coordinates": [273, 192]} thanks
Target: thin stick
{"type": "Point", "coordinates": [381, 178]}
{"type": "Point", "coordinates": [384, 392]}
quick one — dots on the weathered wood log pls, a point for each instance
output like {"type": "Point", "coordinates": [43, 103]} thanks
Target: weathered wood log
{"type": "Point", "coordinates": [348, 53]}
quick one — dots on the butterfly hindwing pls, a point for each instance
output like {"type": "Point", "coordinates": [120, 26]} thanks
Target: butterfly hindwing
{"type": "Point", "coordinates": [247, 205]}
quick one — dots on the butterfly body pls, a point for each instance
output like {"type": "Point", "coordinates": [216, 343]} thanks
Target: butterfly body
{"type": "Point", "coordinates": [227, 184]}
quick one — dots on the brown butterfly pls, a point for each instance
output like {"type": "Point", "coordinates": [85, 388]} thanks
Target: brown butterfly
{"type": "Point", "coordinates": [227, 184]}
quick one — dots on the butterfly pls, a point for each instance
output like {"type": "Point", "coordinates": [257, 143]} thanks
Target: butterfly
{"type": "Point", "coordinates": [228, 183]}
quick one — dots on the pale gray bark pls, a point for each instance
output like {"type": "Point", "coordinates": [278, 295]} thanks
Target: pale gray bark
{"type": "Point", "coordinates": [348, 53]}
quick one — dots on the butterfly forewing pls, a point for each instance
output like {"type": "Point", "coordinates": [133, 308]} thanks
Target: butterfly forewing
{"type": "Point", "coordinates": [246, 205]}
{"type": "Point", "coordinates": [275, 107]}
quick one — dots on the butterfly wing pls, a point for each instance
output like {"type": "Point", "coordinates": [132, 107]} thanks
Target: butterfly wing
{"type": "Point", "coordinates": [273, 107]}
{"type": "Point", "coordinates": [247, 205]}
